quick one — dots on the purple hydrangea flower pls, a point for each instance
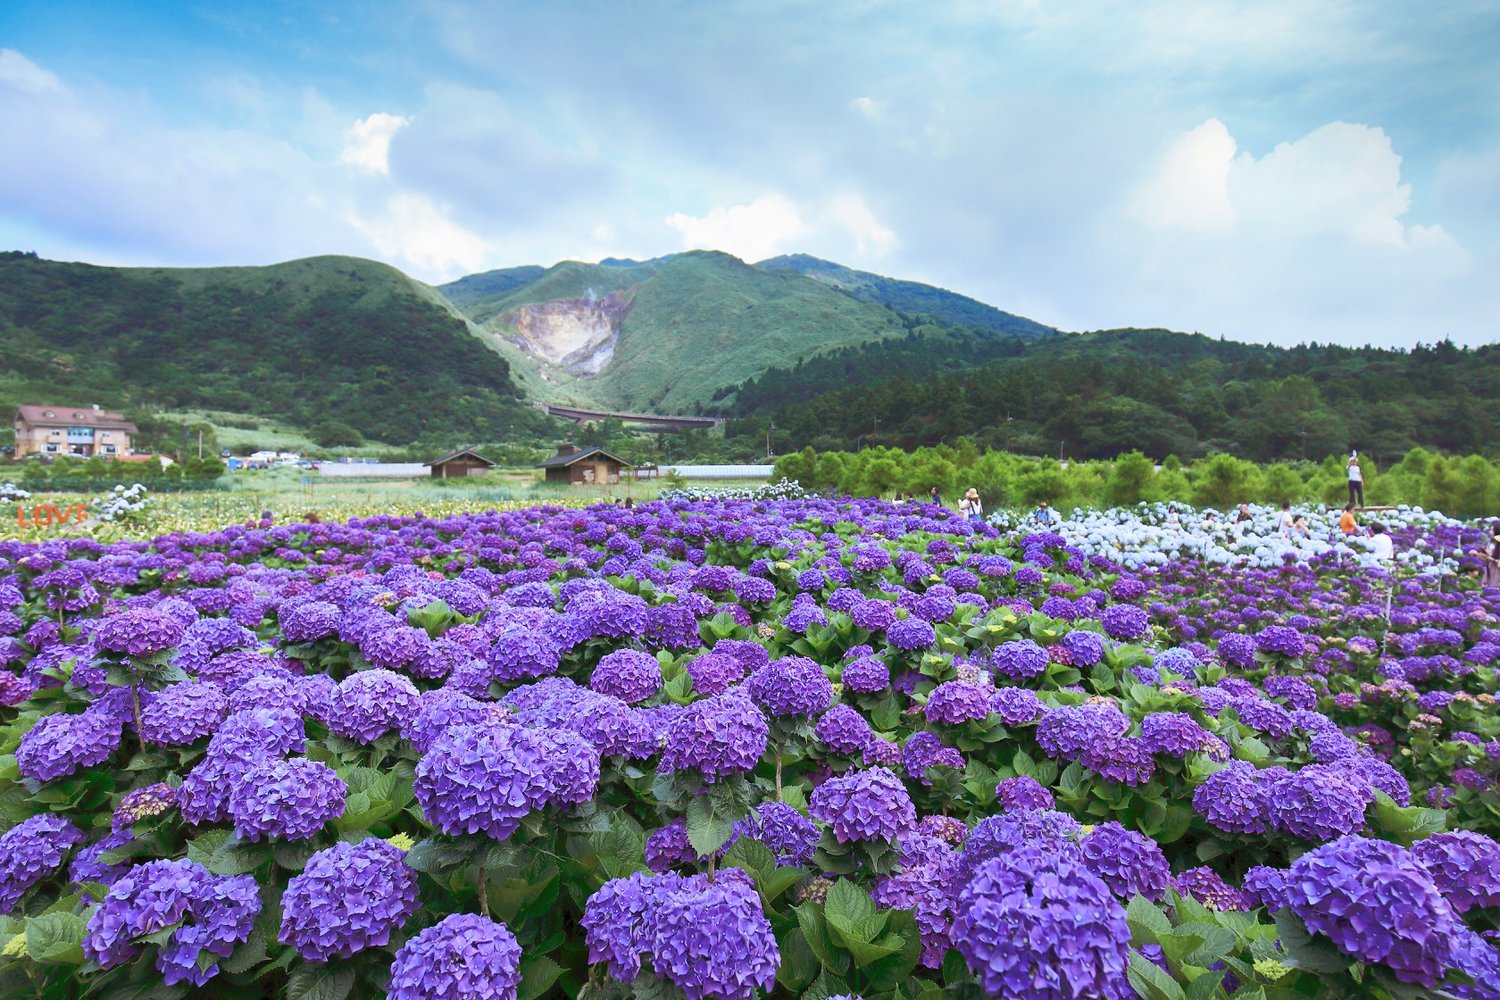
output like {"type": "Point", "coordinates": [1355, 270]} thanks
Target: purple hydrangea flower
{"type": "Point", "coordinates": [1235, 799]}
{"type": "Point", "coordinates": [843, 730]}
{"type": "Point", "coordinates": [30, 851]}
{"type": "Point", "coordinates": [215, 913]}
{"type": "Point", "coordinates": [1464, 865]}
{"type": "Point", "coordinates": [791, 686]}
{"type": "Point", "coordinates": [484, 779]}
{"type": "Point", "coordinates": [1125, 621]}
{"type": "Point", "coordinates": [953, 703]}
{"type": "Point", "coordinates": [718, 737]}
{"type": "Point", "coordinates": [1021, 659]}
{"type": "Point", "coordinates": [58, 745]}
{"type": "Point", "coordinates": [311, 621]}
{"type": "Point", "coordinates": [1281, 640]}
{"type": "Point", "coordinates": [863, 805]}
{"type": "Point", "coordinates": [1084, 648]}
{"type": "Point", "coordinates": [1175, 734]}
{"type": "Point", "coordinates": [713, 672]}
{"type": "Point", "coordinates": [714, 942]}
{"type": "Point", "coordinates": [923, 750]}
{"type": "Point", "coordinates": [286, 799]}
{"type": "Point", "coordinates": [462, 955]}
{"type": "Point", "coordinates": [139, 632]}
{"type": "Point", "coordinates": [371, 703]}
{"type": "Point", "coordinates": [911, 634]}
{"type": "Point", "coordinates": [1377, 904]}
{"type": "Point", "coordinates": [1319, 802]}
{"type": "Point", "coordinates": [182, 714]}
{"type": "Point", "coordinates": [787, 833]}
{"type": "Point", "coordinates": [627, 674]}
{"type": "Point", "coordinates": [1207, 887]}
{"type": "Point", "coordinates": [1023, 792]}
{"type": "Point", "coordinates": [349, 897]}
{"type": "Point", "coordinates": [866, 675]}
{"type": "Point", "coordinates": [1128, 862]}
{"type": "Point", "coordinates": [1015, 706]}
{"type": "Point", "coordinates": [1039, 926]}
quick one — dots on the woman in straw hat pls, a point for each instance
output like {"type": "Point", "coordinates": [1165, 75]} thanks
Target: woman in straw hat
{"type": "Point", "coordinates": [970, 507]}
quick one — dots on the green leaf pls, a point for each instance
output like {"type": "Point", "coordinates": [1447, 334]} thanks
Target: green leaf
{"type": "Point", "coordinates": [1150, 981]}
{"type": "Point", "coordinates": [538, 973]}
{"type": "Point", "coordinates": [707, 829]}
{"type": "Point", "coordinates": [1147, 923]}
{"type": "Point", "coordinates": [847, 903]}
{"type": "Point", "coordinates": [1303, 951]}
{"type": "Point", "coordinates": [56, 938]}
{"type": "Point", "coordinates": [320, 982]}
{"type": "Point", "coordinates": [247, 955]}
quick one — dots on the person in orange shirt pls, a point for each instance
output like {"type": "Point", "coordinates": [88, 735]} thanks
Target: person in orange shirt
{"type": "Point", "coordinates": [1347, 524]}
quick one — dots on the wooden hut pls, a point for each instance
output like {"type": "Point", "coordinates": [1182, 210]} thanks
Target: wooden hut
{"type": "Point", "coordinates": [458, 464]}
{"type": "Point", "coordinates": [575, 466]}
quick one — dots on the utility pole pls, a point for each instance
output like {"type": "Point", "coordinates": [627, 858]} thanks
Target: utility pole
{"type": "Point", "coordinates": [769, 429]}
{"type": "Point", "coordinates": [200, 444]}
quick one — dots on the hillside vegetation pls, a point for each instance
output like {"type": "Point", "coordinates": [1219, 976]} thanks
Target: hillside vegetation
{"type": "Point", "coordinates": [1102, 394]}
{"type": "Point", "coordinates": [307, 342]}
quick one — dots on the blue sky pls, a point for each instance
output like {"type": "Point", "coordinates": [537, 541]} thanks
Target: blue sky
{"type": "Point", "coordinates": [1274, 171]}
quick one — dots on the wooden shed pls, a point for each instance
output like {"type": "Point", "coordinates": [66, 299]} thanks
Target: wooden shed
{"type": "Point", "coordinates": [458, 464]}
{"type": "Point", "coordinates": [575, 466]}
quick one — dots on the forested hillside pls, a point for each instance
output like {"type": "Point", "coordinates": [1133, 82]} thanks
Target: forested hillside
{"type": "Point", "coordinates": [329, 339]}
{"type": "Point", "coordinates": [1102, 394]}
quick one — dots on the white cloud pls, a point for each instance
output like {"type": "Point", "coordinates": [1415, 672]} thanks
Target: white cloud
{"type": "Point", "coordinates": [1191, 188]}
{"type": "Point", "coordinates": [367, 143]}
{"type": "Point", "coordinates": [414, 232]}
{"type": "Point", "coordinates": [869, 108]}
{"type": "Point", "coordinates": [871, 237]}
{"type": "Point", "coordinates": [21, 73]}
{"type": "Point", "coordinates": [751, 232]}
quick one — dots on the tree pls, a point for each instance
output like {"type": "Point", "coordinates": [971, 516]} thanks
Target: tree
{"type": "Point", "coordinates": [1130, 479]}
{"type": "Point", "coordinates": [1222, 481]}
{"type": "Point", "coordinates": [336, 434]}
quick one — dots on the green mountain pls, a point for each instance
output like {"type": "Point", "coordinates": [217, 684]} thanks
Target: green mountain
{"type": "Point", "coordinates": [327, 340]}
{"type": "Point", "coordinates": [665, 335]}
{"type": "Point", "coordinates": [911, 297]}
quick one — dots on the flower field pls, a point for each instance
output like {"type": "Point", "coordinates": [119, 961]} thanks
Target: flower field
{"type": "Point", "coordinates": [734, 748]}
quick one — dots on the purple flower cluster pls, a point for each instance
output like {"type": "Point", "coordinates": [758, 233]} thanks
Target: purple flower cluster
{"type": "Point", "coordinates": [953, 703]}
{"type": "Point", "coordinates": [627, 674]}
{"type": "Point", "coordinates": [718, 737]}
{"type": "Point", "coordinates": [183, 714]}
{"type": "Point", "coordinates": [1128, 862]}
{"type": "Point", "coordinates": [871, 805]}
{"type": "Point", "coordinates": [139, 632]}
{"type": "Point", "coordinates": [285, 799]}
{"type": "Point", "coordinates": [1465, 866]}
{"type": "Point", "coordinates": [485, 779]}
{"type": "Point", "coordinates": [709, 939]}
{"type": "Point", "coordinates": [58, 745]}
{"type": "Point", "coordinates": [1376, 903]}
{"type": "Point", "coordinates": [1038, 926]}
{"type": "Point", "coordinates": [349, 897]}
{"type": "Point", "coordinates": [211, 915]}
{"type": "Point", "coordinates": [462, 955]}
{"type": "Point", "coordinates": [791, 686]}
{"type": "Point", "coordinates": [369, 704]}
{"type": "Point", "coordinates": [30, 851]}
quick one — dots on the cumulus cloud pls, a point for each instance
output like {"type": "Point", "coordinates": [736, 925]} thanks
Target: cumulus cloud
{"type": "Point", "coordinates": [762, 228]}
{"type": "Point", "coordinates": [367, 143]}
{"type": "Point", "coordinates": [416, 233]}
{"type": "Point", "coordinates": [22, 74]}
{"type": "Point", "coordinates": [871, 237]}
{"type": "Point", "coordinates": [1191, 188]}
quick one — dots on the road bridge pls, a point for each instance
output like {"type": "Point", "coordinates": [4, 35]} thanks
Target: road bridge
{"type": "Point", "coordinates": [652, 420]}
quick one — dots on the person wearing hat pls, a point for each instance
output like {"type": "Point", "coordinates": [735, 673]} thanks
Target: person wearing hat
{"type": "Point", "coordinates": [1043, 514]}
{"type": "Point", "coordinates": [969, 507]}
{"type": "Point", "coordinates": [1356, 482]}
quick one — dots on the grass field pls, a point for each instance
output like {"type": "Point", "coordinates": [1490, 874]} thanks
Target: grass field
{"type": "Point", "coordinates": [295, 494]}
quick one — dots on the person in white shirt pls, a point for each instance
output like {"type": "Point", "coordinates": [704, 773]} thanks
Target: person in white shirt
{"type": "Point", "coordinates": [1384, 547]}
{"type": "Point", "coordinates": [1287, 521]}
{"type": "Point", "coordinates": [1356, 482]}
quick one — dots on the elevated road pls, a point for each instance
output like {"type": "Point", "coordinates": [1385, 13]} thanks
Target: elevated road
{"type": "Point", "coordinates": [652, 420]}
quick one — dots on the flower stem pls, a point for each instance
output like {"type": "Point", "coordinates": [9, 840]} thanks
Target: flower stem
{"type": "Point", "coordinates": [484, 896]}
{"type": "Point", "coordinates": [135, 706]}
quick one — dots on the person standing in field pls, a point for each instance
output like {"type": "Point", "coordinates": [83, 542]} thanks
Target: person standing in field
{"type": "Point", "coordinates": [937, 497]}
{"type": "Point", "coordinates": [1356, 482]}
{"type": "Point", "coordinates": [1490, 557]}
{"type": "Point", "coordinates": [969, 508]}
{"type": "Point", "coordinates": [1347, 523]}
{"type": "Point", "coordinates": [1286, 518]}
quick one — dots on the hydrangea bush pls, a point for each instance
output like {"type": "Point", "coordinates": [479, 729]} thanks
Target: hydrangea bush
{"type": "Point", "coordinates": [741, 746]}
